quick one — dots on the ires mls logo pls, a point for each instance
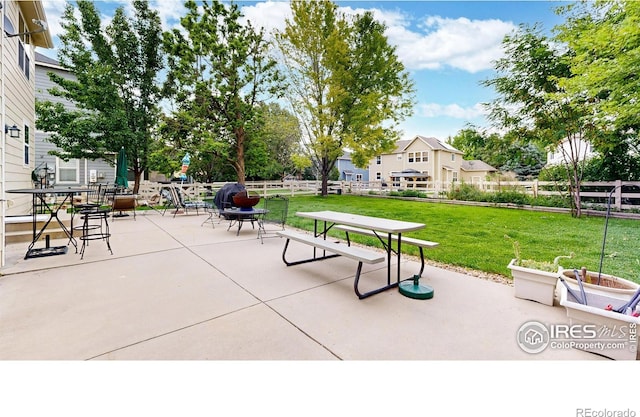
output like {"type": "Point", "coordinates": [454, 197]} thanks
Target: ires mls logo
{"type": "Point", "coordinates": [534, 337]}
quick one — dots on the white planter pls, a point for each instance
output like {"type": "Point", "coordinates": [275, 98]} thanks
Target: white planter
{"type": "Point", "coordinates": [610, 326]}
{"type": "Point", "coordinates": [609, 284]}
{"type": "Point", "coordinates": [533, 284]}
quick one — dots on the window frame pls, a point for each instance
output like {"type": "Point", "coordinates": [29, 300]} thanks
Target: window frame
{"type": "Point", "coordinates": [63, 165]}
{"type": "Point", "coordinates": [26, 145]}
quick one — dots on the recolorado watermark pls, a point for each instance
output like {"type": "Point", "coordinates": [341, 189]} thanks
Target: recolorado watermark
{"type": "Point", "coordinates": [590, 412]}
{"type": "Point", "coordinates": [534, 337]}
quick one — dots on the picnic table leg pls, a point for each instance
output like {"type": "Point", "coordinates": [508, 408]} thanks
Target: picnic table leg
{"type": "Point", "coordinates": [370, 293]}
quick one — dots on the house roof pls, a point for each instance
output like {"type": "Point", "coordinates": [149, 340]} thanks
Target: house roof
{"type": "Point", "coordinates": [35, 10]}
{"type": "Point", "coordinates": [476, 165]}
{"type": "Point", "coordinates": [43, 59]}
{"type": "Point", "coordinates": [434, 143]}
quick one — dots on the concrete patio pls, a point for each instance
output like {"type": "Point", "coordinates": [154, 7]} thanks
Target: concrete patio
{"type": "Point", "coordinates": [177, 289]}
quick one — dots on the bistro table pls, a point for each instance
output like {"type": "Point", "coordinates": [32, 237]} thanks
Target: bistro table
{"type": "Point", "coordinates": [239, 216]}
{"type": "Point", "coordinates": [380, 226]}
{"type": "Point", "coordinates": [38, 195]}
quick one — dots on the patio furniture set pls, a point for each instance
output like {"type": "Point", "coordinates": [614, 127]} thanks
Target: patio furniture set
{"type": "Point", "coordinates": [93, 212]}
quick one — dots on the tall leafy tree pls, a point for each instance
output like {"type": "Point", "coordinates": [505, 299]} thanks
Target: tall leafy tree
{"type": "Point", "coordinates": [346, 84]}
{"type": "Point", "coordinates": [532, 103]}
{"type": "Point", "coordinates": [115, 90]}
{"type": "Point", "coordinates": [605, 39]}
{"type": "Point", "coordinates": [279, 134]}
{"type": "Point", "coordinates": [219, 73]}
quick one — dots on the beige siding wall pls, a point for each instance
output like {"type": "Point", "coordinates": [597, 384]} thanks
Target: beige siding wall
{"type": "Point", "coordinates": [19, 109]}
{"type": "Point", "coordinates": [415, 147]}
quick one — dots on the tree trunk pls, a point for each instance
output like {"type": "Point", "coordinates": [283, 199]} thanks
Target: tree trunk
{"type": "Point", "coordinates": [138, 177]}
{"type": "Point", "coordinates": [240, 139]}
{"type": "Point", "coordinates": [324, 173]}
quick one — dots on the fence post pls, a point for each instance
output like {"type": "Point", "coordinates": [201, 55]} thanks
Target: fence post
{"type": "Point", "coordinates": [618, 195]}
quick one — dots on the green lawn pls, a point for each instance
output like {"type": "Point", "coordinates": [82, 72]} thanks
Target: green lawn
{"type": "Point", "coordinates": [474, 237]}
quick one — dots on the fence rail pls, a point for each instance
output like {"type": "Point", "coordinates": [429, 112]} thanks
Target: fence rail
{"type": "Point", "coordinates": [626, 194]}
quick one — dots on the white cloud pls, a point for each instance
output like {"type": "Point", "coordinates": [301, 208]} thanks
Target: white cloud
{"type": "Point", "coordinates": [271, 15]}
{"type": "Point", "coordinates": [170, 12]}
{"type": "Point", "coordinates": [451, 110]}
{"type": "Point", "coordinates": [54, 9]}
{"type": "Point", "coordinates": [469, 45]}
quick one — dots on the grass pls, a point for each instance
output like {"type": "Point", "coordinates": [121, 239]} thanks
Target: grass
{"type": "Point", "coordinates": [474, 237]}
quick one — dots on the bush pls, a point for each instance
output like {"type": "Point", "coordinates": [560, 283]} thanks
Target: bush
{"type": "Point", "coordinates": [413, 193]}
{"type": "Point", "coordinates": [465, 192]}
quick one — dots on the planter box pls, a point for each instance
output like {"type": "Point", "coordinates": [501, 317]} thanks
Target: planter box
{"type": "Point", "coordinates": [615, 324]}
{"type": "Point", "coordinates": [609, 284]}
{"type": "Point", "coordinates": [533, 284]}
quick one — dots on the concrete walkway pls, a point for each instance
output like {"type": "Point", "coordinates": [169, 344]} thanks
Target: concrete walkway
{"type": "Point", "coordinates": [175, 288]}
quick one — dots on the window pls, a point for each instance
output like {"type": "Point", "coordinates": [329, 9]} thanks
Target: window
{"type": "Point", "coordinates": [26, 144]}
{"type": "Point", "coordinates": [378, 176]}
{"type": "Point", "coordinates": [455, 176]}
{"type": "Point", "coordinates": [378, 160]}
{"type": "Point", "coordinates": [418, 157]}
{"type": "Point", "coordinates": [358, 177]}
{"type": "Point", "coordinates": [67, 171]}
{"type": "Point", "coordinates": [453, 157]}
{"type": "Point", "coordinates": [24, 62]}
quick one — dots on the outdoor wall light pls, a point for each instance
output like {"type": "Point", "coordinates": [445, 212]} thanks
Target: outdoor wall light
{"type": "Point", "coordinates": [41, 23]}
{"type": "Point", "coordinates": [13, 131]}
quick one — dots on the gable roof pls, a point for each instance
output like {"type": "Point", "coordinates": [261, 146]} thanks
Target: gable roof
{"type": "Point", "coordinates": [476, 165]}
{"type": "Point", "coordinates": [35, 10]}
{"type": "Point", "coordinates": [434, 143]}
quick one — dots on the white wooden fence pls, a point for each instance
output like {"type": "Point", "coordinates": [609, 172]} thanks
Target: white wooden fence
{"type": "Point", "coordinates": [626, 194]}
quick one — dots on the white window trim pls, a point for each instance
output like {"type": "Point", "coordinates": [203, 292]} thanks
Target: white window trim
{"type": "Point", "coordinates": [58, 180]}
{"type": "Point", "coordinates": [26, 143]}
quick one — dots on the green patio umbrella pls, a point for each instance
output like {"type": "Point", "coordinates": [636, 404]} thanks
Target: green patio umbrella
{"type": "Point", "coordinates": [122, 169]}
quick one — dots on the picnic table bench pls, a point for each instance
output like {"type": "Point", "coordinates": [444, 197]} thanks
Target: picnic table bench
{"type": "Point", "coordinates": [421, 244]}
{"type": "Point", "coordinates": [337, 249]}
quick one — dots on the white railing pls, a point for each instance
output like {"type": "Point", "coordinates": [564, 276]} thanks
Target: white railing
{"type": "Point", "coordinates": [625, 196]}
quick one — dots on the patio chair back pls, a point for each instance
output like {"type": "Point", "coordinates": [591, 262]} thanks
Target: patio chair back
{"type": "Point", "coordinates": [177, 198]}
{"type": "Point", "coordinates": [277, 208]}
{"type": "Point", "coordinates": [124, 202]}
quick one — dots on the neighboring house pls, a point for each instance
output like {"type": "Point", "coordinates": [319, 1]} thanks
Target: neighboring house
{"type": "Point", "coordinates": [24, 27]}
{"type": "Point", "coordinates": [416, 162]}
{"type": "Point", "coordinates": [54, 170]}
{"type": "Point", "coordinates": [348, 171]}
{"type": "Point", "coordinates": [475, 171]}
{"type": "Point", "coordinates": [576, 149]}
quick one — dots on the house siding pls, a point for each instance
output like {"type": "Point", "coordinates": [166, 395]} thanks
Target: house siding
{"type": "Point", "coordinates": [17, 104]}
{"type": "Point", "coordinates": [105, 171]}
{"type": "Point", "coordinates": [19, 110]}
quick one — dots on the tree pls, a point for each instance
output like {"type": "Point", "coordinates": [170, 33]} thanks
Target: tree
{"type": "Point", "coordinates": [532, 103]}
{"type": "Point", "coordinates": [605, 39]}
{"type": "Point", "coordinates": [114, 92]}
{"type": "Point", "coordinates": [346, 84]}
{"type": "Point", "coordinates": [510, 152]}
{"type": "Point", "coordinates": [219, 71]}
{"type": "Point", "coordinates": [278, 136]}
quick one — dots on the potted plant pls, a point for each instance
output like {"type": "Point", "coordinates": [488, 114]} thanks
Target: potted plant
{"type": "Point", "coordinates": [600, 283]}
{"type": "Point", "coordinates": [534, 280]}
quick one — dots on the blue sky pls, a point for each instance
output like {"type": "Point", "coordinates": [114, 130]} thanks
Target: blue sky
{"type": "Point", "coordinates": [447, 46]}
